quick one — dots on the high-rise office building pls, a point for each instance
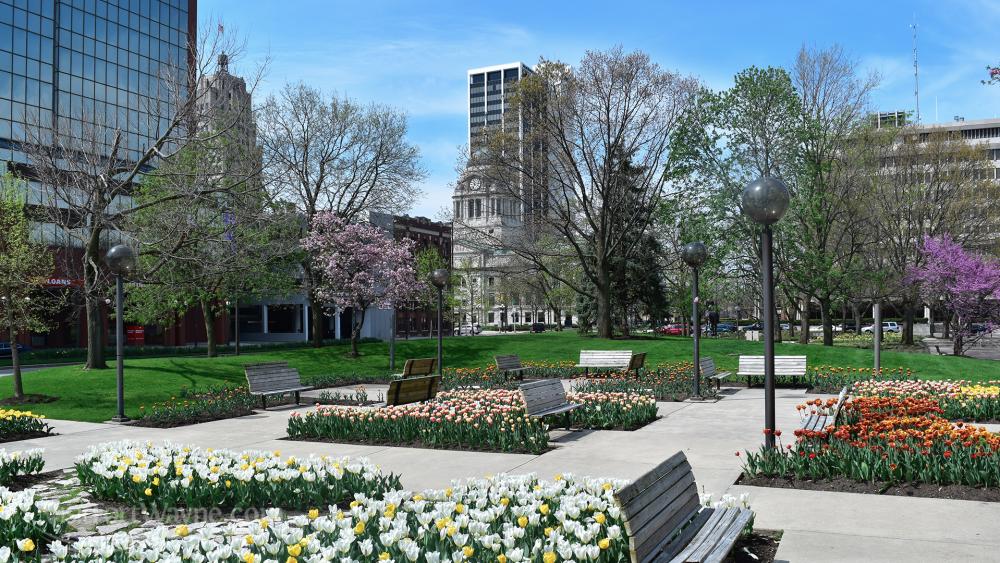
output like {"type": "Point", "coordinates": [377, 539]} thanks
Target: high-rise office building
{"type": "Point", "coordinates": [70, 64]}
{"type": "Point", "coordinates": [487, 217]}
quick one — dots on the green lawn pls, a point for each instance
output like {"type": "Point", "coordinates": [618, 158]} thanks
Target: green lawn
{"type": "Point", "coordinates": [90, 396]}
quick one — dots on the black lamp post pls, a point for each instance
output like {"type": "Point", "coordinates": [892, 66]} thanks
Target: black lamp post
{"type": "Point", "coordinates": [439, 278]}
{"type": "Point", "coordinates": [695, 253]}
{"type": "Point", "coordinates": [765, 200]}
{"type": "Point", "coordinates": [236, 323]}
{"type": "Point", "coordinates": [122, 261]}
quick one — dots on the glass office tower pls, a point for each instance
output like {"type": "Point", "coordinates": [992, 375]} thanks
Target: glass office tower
{"type": "Point", "coordinates": [70, 61]}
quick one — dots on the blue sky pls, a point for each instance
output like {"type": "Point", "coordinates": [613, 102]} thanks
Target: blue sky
{"type": "Point", "coordinates": [414, 54]}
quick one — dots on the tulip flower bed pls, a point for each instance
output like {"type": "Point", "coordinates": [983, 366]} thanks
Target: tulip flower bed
{"type": "Point", "coordinates": [480, 419]}
{"type": "Point", "coordinates": [193, 407]}
{"type": "Point", "coordinates": [22, 425]}
{"type": "Point", "coordinates": [18, 464]}
{"type": "Point", "coordinates": [831, 379]}
{"type": "Point", "coordinates": [887, 440]}
{"type": "Point", "coordinates": [28, 525]}
{"type": "Point", "coordinates": [667, 382]}
{"type": "Point", "coordinates": [959, 400]}
{"type": "Point", "coordinates": [489, 377]}
{"type": "Point", "coordinates": [169, 476]}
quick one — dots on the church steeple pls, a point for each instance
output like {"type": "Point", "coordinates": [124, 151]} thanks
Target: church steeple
{"type": "Point", "coordinates": [223, 63]}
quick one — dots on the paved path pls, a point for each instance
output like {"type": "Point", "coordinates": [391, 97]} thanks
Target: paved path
{"type": "Point", "coordinates": [819, 526]}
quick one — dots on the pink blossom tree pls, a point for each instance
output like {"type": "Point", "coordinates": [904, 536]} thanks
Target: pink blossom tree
{"type": "Point", "coordinates": [994, 75]}
{"type": "Point", "coordinates": [360, 266]}
{"type": "Point", "coordinates": [966, 284]}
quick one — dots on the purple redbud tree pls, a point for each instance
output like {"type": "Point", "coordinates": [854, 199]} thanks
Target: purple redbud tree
{"type": "Point", "coordinates": [966, 284]}
{"type": "Point", "coordinates": [360, 266]}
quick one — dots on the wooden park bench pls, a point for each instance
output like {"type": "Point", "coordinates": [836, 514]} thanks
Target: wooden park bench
{"type": "Point", "coordinates": [274, 378]}
{"type": "Point", "coordinates": [614, 359]}
{"type": "Point", "coordinates": [510, 365]}
{"type": "Point", "coordinates": [818, 422]}
{"type": "Point", "coordinates": [665, 521]}
{"type": "Point", "coordinates": [784, 366]}
{"type": "Point", "coordinates": [709, 372]}
{"type": "Point", "coordinates": [412, 390]}
{"type": "Point", "coordinates": [418, 367]}
{"type": "Point", "coordinates": [546, 397]}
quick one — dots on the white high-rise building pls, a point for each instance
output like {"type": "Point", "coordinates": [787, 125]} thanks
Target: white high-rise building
{"type": "Point", "coordinates": [484, 217]}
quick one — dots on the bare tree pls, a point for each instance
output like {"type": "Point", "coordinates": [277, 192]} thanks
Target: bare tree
{"type": "Point", "coordinates": [587, 126]}
{"type": "Point", "coordinates": [90, 160]}
{"type": "Point", "coordinates": [331, 154]}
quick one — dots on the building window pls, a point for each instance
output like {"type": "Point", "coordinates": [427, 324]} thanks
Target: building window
{"type": "Point", "coordinates": [479, 208]}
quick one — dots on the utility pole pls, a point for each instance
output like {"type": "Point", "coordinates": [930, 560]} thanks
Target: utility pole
{"type": "Point", "coordinates": [916, 75]}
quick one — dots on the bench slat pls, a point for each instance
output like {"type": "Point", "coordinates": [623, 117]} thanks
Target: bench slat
{"type": "Point", "coordinates": [682, 551]}
{"type": "Point", "coordinates": [725, 544]}
{"type": "Point", "coordinates": [508, 363]}
{"type": "Point", "coordinates": [412, 390]}
{"type": "Point", "coordinates": [273, 378]}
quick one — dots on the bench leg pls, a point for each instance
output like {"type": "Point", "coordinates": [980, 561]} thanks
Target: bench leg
{"type": "Point", "coordinates": [567, 420]}
{"type": "Point", "coordinates": [296, 397]}
{"type": "Point", "coordinates": [263, 402]}
{"type": "Point", "coordinates": [718, 385]}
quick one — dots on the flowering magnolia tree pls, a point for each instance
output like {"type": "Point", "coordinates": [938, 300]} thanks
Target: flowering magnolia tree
{"type": "Point", "coordinates": [968, 285]}
{"type": "Point", "coordinates": [361, 266]}
{"type": "Point", "coordinates": [994, 72]}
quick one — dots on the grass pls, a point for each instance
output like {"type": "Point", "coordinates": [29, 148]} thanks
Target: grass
{"type": "Point", "coordinates": [90, 395]}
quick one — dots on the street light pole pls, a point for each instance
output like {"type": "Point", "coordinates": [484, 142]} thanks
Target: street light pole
{"type": "Point", "coordinates": [765, 200]}
{"type": "Point", "coordinates": [439, 278]}
{"type": "Point", "coordinates": [121, 260]}
{"type": "Point", "coordinates": [694, 253]}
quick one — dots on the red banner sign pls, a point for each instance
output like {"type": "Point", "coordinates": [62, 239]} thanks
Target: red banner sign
{"type": "Point", "coordinates": [135, 334]}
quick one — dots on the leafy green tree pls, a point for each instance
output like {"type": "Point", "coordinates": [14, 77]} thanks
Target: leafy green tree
{"type": "Point", "coordinates": [24, 266]}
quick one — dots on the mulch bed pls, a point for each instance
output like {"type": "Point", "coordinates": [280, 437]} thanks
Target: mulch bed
{"type": "Point", "coordinates": [416, 444]}
{"type": "Point", "coordinates": [844, 485]}
{"type": "Point", "coordinates": [29, 399]}
{"type": "Point", "coordinates": [186, 422]}
{"type": "Point", "coordinates": [22, 482]}
{"type": "Point", "coordinates": [27, 436]}
{"type": "Point", "coordinates": [758, 547]}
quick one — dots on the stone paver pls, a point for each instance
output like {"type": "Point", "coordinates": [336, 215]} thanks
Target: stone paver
{"type": "Point", "coordinates": [819, 526]}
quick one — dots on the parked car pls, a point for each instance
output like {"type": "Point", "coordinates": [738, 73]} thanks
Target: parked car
{"type": "Point", "coordinates": [979, 328]}
{"type": "Point", "coordinates": [725, 327]}
{"type": "Point", "coordinates": [754, 326]}
{"type": "Point", "coordinates": [888, 326]}
{"type": "Point", "coordinates": [5, 351]}
{"type": "Point", "coordinates": [537, 327]}
{"type": "Point", "coordinates": [674, 329]}
{"type": "Point", "coordinates": [468, 330]}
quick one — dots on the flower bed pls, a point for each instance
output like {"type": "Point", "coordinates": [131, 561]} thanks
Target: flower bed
{"type": "Point", "coordinates": [28, 525]}
{"type": "Point", "coordinates": [887, 439]}
{"type": "Point", "coordinates": [831, 379]}
{"type": "Point", "coordinates": [17, 464]}
{"type": "Point", "coordinates": [958, 399]}
{"type": "Point", "coordinates": [492, 420]}
{"type": "Point", "coordinates": [667, 382]}
{"type": "Point", "coordinates": [21, 425]}
{"type": "Point", "coordinates": [504, 518]}
{"type": "Point", "coordinates": [171, 475]}
{"type": "Point", "coordinates": [192, 407]}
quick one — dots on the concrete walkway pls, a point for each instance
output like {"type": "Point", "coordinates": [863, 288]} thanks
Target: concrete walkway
{"type": "Point", "coordinates": [819, 526]}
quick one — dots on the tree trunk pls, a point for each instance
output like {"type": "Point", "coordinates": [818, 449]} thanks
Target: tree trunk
{"type": "Point", "coordinates": [208, 313]}
{"type": "Point", "coordinates": [857, 317]}
{"type": "Point", "coordinates": [603, 288]}
{"type": "Point", "coordinates": [824, 312]}
{"type": "Point", "coordinates": [15, 361]}
{"type": "Point", "coordinates": [557, 315]}
{"type": "Point", "coordinates": [95, 328]}
{"type": "Point", "coordinates": [957, 343]}
{"type": "Point", "coordinates": [316, 308]}
{"type": "Point", "coordinates": [358, 319]}
{"type": "Point", "coordinates": [804, 322]}
{"type": "Point", "coordinates": [777, 324]}
{"type": "Point", "coordinates": [947, 328]}
{"type": "Point", "coordinates": [908, 324]}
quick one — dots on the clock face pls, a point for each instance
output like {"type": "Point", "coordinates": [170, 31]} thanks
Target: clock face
{"type": "Point", "coordinates": [475, 184]}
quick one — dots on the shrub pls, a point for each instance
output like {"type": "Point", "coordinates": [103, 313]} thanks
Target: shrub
{"type": "Point", "coordinates": [16, 464]}
{"type": "Point", "coordinates": [171, 475]}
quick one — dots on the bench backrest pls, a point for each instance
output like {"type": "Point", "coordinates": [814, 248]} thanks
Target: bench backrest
{"type": "Point", "coordinates": [412, 390]}
{"type": "Point", "coordinates": [605, 358]}
{"type": "Point", "coordinates": [637, 362]}
{"type": "Point", "coordinates": [505, 363]}
{"type": "Point", "coordinates": [783, 365]}
{"type": "Point", "coordinates": [419, 366]}
{"type": "Point", "coordinates": [657, 505]}
{"type": "Point", "coordinates": [707, 367]}
{"type": "Point", "coordinates": [543, 395]}
{"type": "Point", "coordinates": [271, 376]}
{"type": "Point", "coordinates": [840, 402]}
